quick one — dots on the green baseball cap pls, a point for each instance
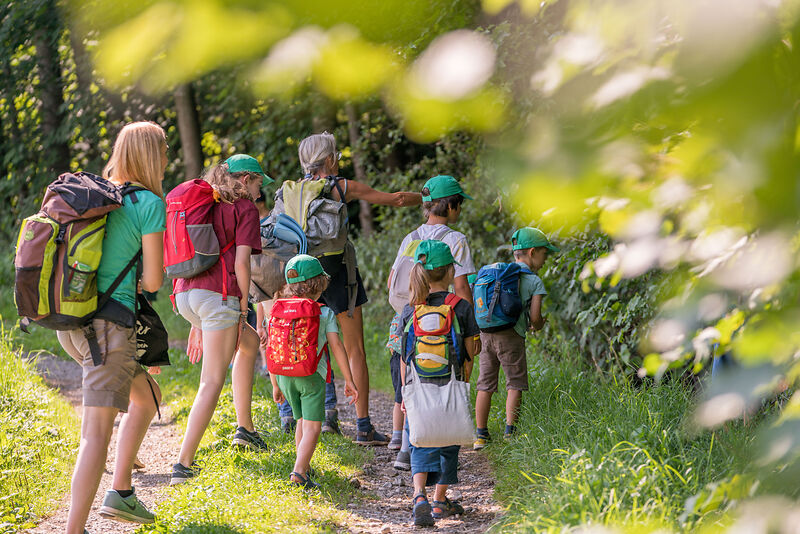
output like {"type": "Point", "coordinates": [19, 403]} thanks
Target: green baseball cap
{"type": "Point", "coordinates": [307, 267]}
{"type": "Point", "coordinates": [531, 237]}
{"type": "Point", "coordinates": [437, 254]}
{"type": "Point", "coordinates": [443, 186]}
{"type": "Point", "coordinates": [245, 163]}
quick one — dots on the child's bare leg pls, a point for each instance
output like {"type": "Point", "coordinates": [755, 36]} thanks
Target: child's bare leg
{"type": "Point", "coordinates": [298, 434]}
{"type": "Point", "coordinates": [483, 403]}
{"type": "Point", "coordinates": [397, 418]}
{"type": "Point", "coordinates": [440, 493]}
{"type": "Point", "coordinates": [218, 348]}
{"type": "Point", "coordinates": [513, 402]}
{"type": "Point", "coordinates": [242, 378]}
{"type": "Point", "coordinates": [419, 483]}
{"type": "Point", "coordinates": [305, 449]}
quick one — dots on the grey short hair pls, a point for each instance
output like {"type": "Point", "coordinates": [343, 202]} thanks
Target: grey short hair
{"type": "Point", "coordinates": [314, 150]}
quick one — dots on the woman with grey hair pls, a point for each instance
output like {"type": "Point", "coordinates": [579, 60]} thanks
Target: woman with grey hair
{"type": "Point", "coordinates": [320, 160]}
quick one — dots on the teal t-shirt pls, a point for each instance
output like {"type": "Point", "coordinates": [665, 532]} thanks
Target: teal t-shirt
{"type": "Point", "coordinates": [125, 227]}
{"type": "Point", "coordinates": [529, 285]}
{"type": "Point", "coordinates": [327, 323]}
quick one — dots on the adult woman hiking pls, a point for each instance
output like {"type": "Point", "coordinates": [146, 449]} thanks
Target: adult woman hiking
{"type": "Point", "coordinates": [320, 160]}
{"type": "Point", "coordinates": [120, 384]}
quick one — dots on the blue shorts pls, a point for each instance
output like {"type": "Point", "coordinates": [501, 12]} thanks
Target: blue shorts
{"type": "Point", "coordinates": [441, 463]}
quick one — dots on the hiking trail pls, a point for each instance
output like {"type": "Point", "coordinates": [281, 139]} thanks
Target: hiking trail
{"type": "Point", "coordinates": [385, 508]}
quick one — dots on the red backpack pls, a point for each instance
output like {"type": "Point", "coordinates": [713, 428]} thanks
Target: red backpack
{"type": "Point", "coordinates": [190, 244]}
{"type": "Point", "coordinates": [293, 332]}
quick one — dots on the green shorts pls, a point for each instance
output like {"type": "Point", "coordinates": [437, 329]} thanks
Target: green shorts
{"type": "Point", "coordinates": [305, 394]}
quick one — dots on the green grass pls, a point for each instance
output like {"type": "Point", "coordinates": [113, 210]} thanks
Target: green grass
{"type": "Point", "coordinates": [248, 492]}
{"type": "Point", "coordinates": [39, 435]}
{"type": "Point", "coordinates": [607, 452]}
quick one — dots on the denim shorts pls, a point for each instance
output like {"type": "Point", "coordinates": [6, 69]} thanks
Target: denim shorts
{"type": "Point", "coordinates": [206, 310]}
{"type": "Point", "coordinates": [441, 463]}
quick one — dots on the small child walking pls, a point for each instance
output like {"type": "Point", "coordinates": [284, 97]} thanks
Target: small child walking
{"type": "Point", "coordinates": [431, 278]}
{"type": "Point", "coordinates": [297, 325]}
{"type": "Point", "coordinates": [506, 348]}
{"type": "Point", "coordinates": [442, 200]}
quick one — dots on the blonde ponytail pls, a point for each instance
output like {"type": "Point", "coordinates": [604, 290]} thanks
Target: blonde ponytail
{"type": "Point", "coordinates": [419, 285]}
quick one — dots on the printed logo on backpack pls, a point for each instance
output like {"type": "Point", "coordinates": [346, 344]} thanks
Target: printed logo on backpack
{"type": "Point", "coordinates": [432, 336]}
{"type": "Point", "coordinates": [498, 305]}
{"type": "Point", "coordinates": [292, 348]}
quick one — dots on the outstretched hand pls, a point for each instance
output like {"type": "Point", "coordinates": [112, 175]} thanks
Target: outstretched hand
{"type": "Point", "coordinates": [194, 348]}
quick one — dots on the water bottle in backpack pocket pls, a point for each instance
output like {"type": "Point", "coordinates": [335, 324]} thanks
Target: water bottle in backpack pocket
{"type": "Point", "coordinates": [498, 304]}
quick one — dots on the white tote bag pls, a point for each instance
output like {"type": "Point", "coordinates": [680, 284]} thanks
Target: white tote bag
{"type": "Point", "coordinates": [438, 416]}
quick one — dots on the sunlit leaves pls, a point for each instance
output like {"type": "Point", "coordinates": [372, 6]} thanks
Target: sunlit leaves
{"type": "Point", "coordinates": [350, 67]}
{"type": "Point", "coordinates": [172, 43]}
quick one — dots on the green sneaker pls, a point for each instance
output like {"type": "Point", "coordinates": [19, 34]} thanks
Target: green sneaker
{"type": "Point", "coordinates": [129, 508]}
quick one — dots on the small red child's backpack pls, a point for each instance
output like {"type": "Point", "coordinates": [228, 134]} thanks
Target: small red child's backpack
{"type": "Point", "coordinates": [293, 332]}
{"type": "Point", "coordinates": [190, 243]}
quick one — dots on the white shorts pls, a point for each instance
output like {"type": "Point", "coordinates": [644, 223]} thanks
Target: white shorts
{"type": "Point", "coordinates": [206, 310]}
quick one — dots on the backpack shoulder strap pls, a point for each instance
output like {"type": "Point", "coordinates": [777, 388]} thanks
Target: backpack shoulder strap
{"type": "Point", "coordinates": [333, 182]}
{"type": "Point", "coordinates": [130, 189]}
{"type": "Point", "coordinates": [442, 235]}
{"type": "Point", "coordinates": [452, 299]}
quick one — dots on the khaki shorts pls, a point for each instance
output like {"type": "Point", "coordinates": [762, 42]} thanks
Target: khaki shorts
{"type": "Point", "coordinates": [504, 349]}
{"type": "Point", "coordinates": [206, 310]}
{"type": "Point", "coordinates": [108, 384]}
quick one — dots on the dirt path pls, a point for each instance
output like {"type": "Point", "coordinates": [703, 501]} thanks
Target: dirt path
{"type": "Point", "coordinates": [389, 509]}
{"type": "Point", "coordinates": [386, 508]}
{"type": "Point", "coordinates": [157, 452]}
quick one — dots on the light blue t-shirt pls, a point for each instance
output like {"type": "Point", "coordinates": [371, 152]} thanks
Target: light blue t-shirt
{"type": "Point", "coordinates": [327, 323]}
{"type": "Point", "coordinates": [125, 227]}
{"type": "Point", "coordinates": [529, 285]}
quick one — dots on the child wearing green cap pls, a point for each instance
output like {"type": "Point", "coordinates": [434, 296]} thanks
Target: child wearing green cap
{"type": "Point", "coordinates": [306, 279]}
{"type": "Point", "coordinates": [431, 278]}
{"type": "Point", "coordinates": [506, 348]}
{"type": "Point", "coordinates": [442, 197]}
{"type": "Point", "coordinates": [219, 331]}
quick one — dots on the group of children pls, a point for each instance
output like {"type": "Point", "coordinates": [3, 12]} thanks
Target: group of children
{"type": "Point", "coordinates": [442, 265]}
{"type": "Point", "coordinates": [443, 261]}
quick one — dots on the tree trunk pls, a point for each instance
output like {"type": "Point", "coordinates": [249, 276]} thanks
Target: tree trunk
{"type": "Point", "coordinates": [365, 208]}
{"type": "Point", "coordinates": [324, 119]}
{"type": "Point", "coordinates": [51, 94]}
{"type": "Point", "coordinates": [189, 130]}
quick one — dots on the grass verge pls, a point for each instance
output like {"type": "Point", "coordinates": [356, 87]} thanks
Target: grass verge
{"type": "Point", "coordinates": [247, 492]}
{"type": "Point", "coordinates": [39, 435]}
{"type": "Point", "coordinates": [590, 451]}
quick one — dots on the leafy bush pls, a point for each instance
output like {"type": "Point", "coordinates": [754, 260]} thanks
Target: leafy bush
{"type": "Point", "coordinates": [38, 439]}
{"type": "Point", "coordinates": [603, 321]}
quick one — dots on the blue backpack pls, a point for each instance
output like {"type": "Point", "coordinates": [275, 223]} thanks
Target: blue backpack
{"type": "Point", "coordinates": [498, 305]}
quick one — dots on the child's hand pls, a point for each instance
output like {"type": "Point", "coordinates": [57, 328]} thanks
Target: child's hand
{"type": "Point", "coordinates": [155, 370]}
{"type": "Point", "coordinates": [403, 406]}
{"type": "Point", "coordinates": [194, 348]}
{"type": "Point", "coordinates": [277, 395]}
{"type": "Point", "coordinates": [351, 391]}
{"type": "Point", "coordinates": [263, 338]}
